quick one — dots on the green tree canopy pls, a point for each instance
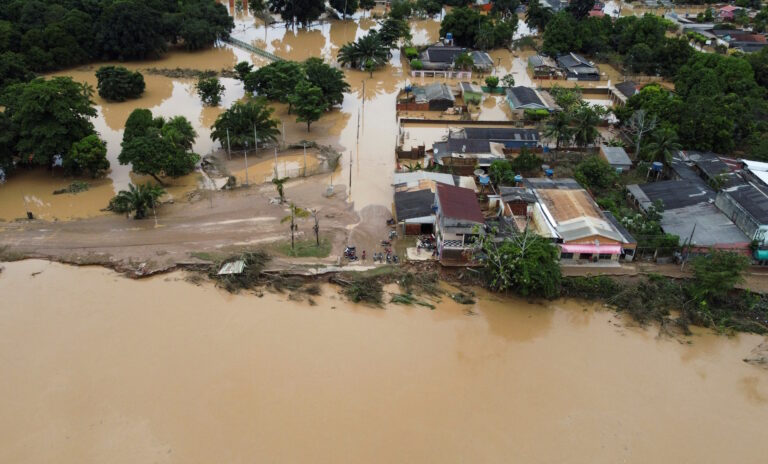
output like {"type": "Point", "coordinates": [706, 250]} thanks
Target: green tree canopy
{"type": "Point", "coordinates": [526, 264]}
{"type": "Point", "coordinates": [368, 51]}
{"type": "Point", "coordinates": [139, 198]}
{"type": "Point", "coordinates": [330, 80]}
{"type": "Point", "coordinates": [210, 89]}
{"type": "Point", "coordinates": [240, 119]}
{"type": "Point", "coordinates": [309, 103]}
{"type": "Point", "coordinates": [117, 83]}
{"type": "Point", "coordinates": [160, 149]}
{"type": "Point", "coordinates": [716, 274]}
{"type": "Point", "coordinates": [345, 7]}
{"type": "Point", "coordinates": [88, 156]}
{"type": "Point", "coordinates": [49, 115]}
{"type": "Point", "coordinates": [596, 174]}
{"type": "Point", "coordinates": [302, 12]}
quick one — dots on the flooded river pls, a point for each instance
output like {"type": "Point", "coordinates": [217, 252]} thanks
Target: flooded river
{"type": "Point", "coordinates": [99, 368]}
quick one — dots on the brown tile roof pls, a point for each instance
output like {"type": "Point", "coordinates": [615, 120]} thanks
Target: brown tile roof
{"type": "Point", "coordinates": [459, 203]}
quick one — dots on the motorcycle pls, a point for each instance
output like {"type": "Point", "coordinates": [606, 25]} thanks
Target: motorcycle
{"type": "Point", "coordinates": [350, 253]}
{"type": "Point", "coordinates": [386, 242]}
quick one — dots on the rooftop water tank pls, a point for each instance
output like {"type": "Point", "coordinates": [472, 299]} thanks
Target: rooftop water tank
{"type": "Point", "coordinates": [657, 166]}
{"type": "Point", "coordinates": [484, 180]}
{"type": "Point", "coordinates": [518, 179]}
{"type": "Point", "coordinates": [549, 172]}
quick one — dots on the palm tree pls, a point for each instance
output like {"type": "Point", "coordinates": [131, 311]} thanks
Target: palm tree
{"type": "Point", "coordinates": [179, 132]}
{"type": "Point", "coordinates": [244, 120]}
{"type": "Point", "coordinates": [368, 52]}
{"type": "Point", "coordinates": [559, 128]}
{"type": "Point", "coordinates": [279, 183]}
{"type": "Point", "coordinates": [138, 198]}
{"type": "Point", "coordinates": [295, 212]}
{"type": "Point", "coordinates": [663, 144]}
{"type": "Point", "coordinates": [586, 119]}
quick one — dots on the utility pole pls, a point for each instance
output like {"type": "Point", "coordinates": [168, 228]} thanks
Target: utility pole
{"type": "Point", "coordinates": [685, 257]}
{"type": "Point", "coordinates": [304, 145]}
{"type": "Point", "coordinates": [229, 150]}
{"type": "Point", "coordinates": [245, 151]}
{"type": "Point", "coordinates": [275, 161]}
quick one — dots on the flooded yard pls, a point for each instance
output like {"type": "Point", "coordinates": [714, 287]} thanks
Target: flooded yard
{"type": "Point", "coordinates": [100, 368]}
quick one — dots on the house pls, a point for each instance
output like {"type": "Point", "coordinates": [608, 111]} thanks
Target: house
{"type": "Point", "coordinates": [747, 206]}
{"type": "Point", "coordinates": [755, 171]}
{"type": "Point", "coordinates": [522, 98]}
{"type": "Point", "coordinates": [543, 67]}
{"type": "Point", "coordinates": [482, 61]}
{"type": "Point", "coordinates": [584, 234]}
{"type": "Point", "coordinates": [436, 97]}
{"type": "Point", "coordinates": [440, 57]}
{"type": "Point", "coordinates": [511, 138]}
{"type": "Point", "coordinates": [728, 12]}
{"type": "Point", "coordinates": [413, 211]}
{"type": "Point", "coordinates": [463, 156]}
{"type": "Point", "coordinates": [577, 67]}
{"type": "Point", "coordinates": [458, 222]}
{"type": "Point", "coordinates": [471, 92]}
{"type": "Point", "coordinates": [616, 157]}
{"type": "Point", "coordinates": [627, 88]}
{"type": "Point", "coordinates": [689, 210]}
{"type": "Point", "coordinates": [420, 180]}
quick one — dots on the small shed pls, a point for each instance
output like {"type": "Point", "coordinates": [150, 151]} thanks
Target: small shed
{"type": "Point", "coordinates": [414, 211]}
{"type": "Point", "coordinates": [471, 92]}
{"type": "Point", "coordinates": [482, 61]}
{"type": "Point", "coordinates": [437, 96]}
{"type": "Point", "coordinates": [544, 67]}
{"type": "Point", "coordinates": [616, 157]}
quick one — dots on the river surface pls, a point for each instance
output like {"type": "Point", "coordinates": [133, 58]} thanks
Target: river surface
{"type": "Point", "coordinates": [95, 367]}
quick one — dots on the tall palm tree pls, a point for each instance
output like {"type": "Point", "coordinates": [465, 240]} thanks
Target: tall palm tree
{"type": "Point", "coordinates": [586, 119]}
{"type": "Point", "coordinates": [368, 51]}
{"type": "Point", "coordinates": [663, 145]}
{"type": "Point", "coordinates": [559, 128]}
{"type": "Point", "coordinates": [139, 198]}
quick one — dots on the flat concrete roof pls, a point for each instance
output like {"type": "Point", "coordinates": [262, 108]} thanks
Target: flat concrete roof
{"type": "Point", "coordinates": [712, 226]}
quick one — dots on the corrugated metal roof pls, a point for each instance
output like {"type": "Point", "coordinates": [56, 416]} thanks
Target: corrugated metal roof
{"type": "Point", "coordinates": [409, 205]}
{"type": "Point", "coordinates": [459, 203]}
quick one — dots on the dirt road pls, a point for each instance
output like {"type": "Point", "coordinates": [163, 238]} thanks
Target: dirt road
{"type": "Point", "coordinates": [207, 222]}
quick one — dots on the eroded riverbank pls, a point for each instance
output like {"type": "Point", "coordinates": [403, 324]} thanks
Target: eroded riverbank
{"type": "Point", "coordinates": [99, 368]}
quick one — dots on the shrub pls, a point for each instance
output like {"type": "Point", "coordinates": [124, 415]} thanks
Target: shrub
{"type": "Point", "coordinates": [492, 82]}
{"type": "Point", "coordinates": [535, 115]}
{"type": "Point", "coordinates": [411, 52]}
{"type": "Point", "coordinates": [416, 64]}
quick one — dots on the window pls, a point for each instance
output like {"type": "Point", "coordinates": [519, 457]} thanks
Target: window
{"type": "Point", "coordinates": [566, 255]}
{"type": "Point", "coordinates": [585, 256]}
{"type": "Point", "coordinates": [605, 256]}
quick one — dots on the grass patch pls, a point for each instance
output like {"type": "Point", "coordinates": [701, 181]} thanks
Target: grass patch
{"type": "Point", "coordinates": [306, 249]}
{"type": "Point", "coordinates": [206, 256]}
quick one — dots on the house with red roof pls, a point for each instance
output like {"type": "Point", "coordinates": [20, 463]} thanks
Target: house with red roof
{"type": "Point", "coordinates": [728, 12]}
{"type": "Point", "coordinates": [458, 222]}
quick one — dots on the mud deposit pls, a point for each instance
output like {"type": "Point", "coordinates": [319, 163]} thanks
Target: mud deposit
{"type": "Point", "coordinates": [98, 368]}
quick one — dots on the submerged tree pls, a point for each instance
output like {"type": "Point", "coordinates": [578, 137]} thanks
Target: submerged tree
{"type": "Point", "coordinates": [117, 83]}
{"type": "Point", "coordinates": [309, 103]}
{"type": "Point", "coordinates": [210, 89]}
{"type": "Point", "coordinates": [249, 121]}
{"type": "Point", "coordinates": [367, 52]}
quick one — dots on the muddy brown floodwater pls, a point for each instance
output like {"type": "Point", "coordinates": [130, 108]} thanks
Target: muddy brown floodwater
{"type": "Point", "coordinates": [98, 368]}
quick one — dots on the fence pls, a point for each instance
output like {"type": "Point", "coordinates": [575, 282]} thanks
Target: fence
{"type": "Point", "coordinates": [299, 172]}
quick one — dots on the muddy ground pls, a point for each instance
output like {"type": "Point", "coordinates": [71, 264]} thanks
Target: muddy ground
{"type": "Point", "coordinates": [206, 222]}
